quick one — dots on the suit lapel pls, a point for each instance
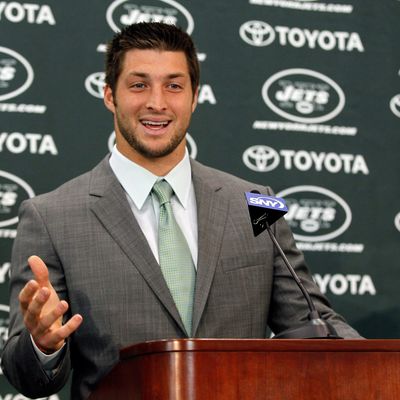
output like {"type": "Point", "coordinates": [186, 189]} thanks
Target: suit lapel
{"type": "Point", "coordinates": [112, 209]}
{"type": "Point", "coordinates": [212, 212]}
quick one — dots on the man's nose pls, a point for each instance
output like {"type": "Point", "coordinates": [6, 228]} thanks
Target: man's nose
{"type": "Point", "coordinates": [156, 100]}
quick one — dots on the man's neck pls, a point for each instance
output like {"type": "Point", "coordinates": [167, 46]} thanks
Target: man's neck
{"type": "Point", "coordinates": [159, 166]}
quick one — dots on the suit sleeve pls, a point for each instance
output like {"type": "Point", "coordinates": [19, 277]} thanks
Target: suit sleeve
{"type": "Point", "coordinates": [288, 303]}
{"type": "Point", "coordinates": [20, 363]}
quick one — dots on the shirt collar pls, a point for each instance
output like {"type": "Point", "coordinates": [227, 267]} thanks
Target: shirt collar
{"type": "Point", "coordinates": [138, 181]}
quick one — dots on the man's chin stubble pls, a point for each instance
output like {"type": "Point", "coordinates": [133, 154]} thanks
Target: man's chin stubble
{"type": "Point", "coordinates": [147, 152]}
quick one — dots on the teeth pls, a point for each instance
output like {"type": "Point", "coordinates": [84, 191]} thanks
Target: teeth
{"type": "Point", "coordinates": [154, 123]}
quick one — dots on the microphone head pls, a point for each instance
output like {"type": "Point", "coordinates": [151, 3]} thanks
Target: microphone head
{"type": "Point", "coordinates": [264, 209]}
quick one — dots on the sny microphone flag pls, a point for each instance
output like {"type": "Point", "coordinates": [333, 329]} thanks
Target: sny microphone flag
{"type": "Point", "coordinates": [264, 209]}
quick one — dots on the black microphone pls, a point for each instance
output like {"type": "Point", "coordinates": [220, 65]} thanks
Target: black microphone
{"type": "Point", "coordinates": [264, 211]}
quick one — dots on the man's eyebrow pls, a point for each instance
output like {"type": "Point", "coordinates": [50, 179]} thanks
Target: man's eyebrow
{"type": "Point", "coordinates": [176, 75]}
{"type": "Point", "coordinates": [146, 75]}
{"type": "Point", "coordinates": [138, 74]}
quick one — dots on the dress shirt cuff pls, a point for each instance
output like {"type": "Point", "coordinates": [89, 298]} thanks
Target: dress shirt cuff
{"type": "Point", "coordinates": [49, 361]}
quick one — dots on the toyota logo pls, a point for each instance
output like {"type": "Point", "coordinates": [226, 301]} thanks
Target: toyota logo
{"type": "Point", "coordinates": [257, 33]}
{"type": "Point", "coordinates": [397, 221]}
{"type": "Point", "coordinates": [94, 84]}
{"type": "Point", "coordinates": [395, 105]}
{"type": "Point", "coordinates": [261, 158]}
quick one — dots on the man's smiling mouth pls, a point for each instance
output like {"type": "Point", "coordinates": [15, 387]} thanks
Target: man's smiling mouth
{"type": "Point", "coordinates": [154, 125]}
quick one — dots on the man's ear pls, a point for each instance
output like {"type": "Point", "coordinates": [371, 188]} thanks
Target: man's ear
{"type": "Point", "coordinates": [109, 98]}
{"type": "Point", "coordinates": [195, 97]}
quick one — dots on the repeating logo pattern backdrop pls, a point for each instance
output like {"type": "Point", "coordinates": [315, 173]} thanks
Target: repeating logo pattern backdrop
{"type": "Point", "coordinates": [300, 95]}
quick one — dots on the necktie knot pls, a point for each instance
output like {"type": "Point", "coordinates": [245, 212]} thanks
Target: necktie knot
{"type": "Point", "coordinates": [163, 190]}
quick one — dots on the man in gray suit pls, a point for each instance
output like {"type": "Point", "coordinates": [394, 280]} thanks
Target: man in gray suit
{"type": "Point", "coordinates": [97, 285]}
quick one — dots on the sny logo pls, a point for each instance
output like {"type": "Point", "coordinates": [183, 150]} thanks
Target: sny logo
{"type": "Point", "coordinates": [264, 210]}
{"type": "Point", "coordinates": [266, 201]}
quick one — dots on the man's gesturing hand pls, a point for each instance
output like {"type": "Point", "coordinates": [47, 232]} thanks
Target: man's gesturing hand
{"type": "Point", "coordinates": [43, 310]}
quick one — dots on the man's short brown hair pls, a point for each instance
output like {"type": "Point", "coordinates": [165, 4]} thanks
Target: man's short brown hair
{"type": "Point", "coordinates": [150, 35]}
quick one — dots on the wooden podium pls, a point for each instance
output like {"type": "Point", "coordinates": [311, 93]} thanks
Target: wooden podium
{"type": "Point", "coordinates": [227, 369]}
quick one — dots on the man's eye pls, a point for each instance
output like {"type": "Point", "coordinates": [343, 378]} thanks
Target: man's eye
{"type": "Point", "coordinates": [174, 86]}
{"type": "Point", "coordinates": [138, 85]}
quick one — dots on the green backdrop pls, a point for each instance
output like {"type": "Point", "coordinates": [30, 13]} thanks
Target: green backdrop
{"type": "Point", "coordinates": [300, 95]}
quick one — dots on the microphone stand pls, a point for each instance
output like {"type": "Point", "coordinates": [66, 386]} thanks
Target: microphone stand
{"type": "Point", "coordinates": [315, 327]}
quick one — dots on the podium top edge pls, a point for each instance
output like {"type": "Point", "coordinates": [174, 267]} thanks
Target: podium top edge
{"type": "Point", "coordinates": [261, 345]}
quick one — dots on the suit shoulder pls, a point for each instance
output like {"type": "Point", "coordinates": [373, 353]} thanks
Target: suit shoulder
{"type": "Point", "coordinates": [70, 192]}
{"type": "Point", "coordinates": [68, 189]}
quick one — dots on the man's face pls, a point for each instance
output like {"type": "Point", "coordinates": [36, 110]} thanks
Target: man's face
{"type": "Point", "coordinates": [152, 104]}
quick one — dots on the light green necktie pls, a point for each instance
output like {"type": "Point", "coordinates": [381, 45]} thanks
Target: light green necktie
{"type": "Point", "coordinates": [175, 258]}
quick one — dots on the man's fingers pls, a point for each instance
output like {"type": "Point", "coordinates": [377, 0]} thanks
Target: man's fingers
{"type": "Point", "coordinates": [35, 307]}
{"type": "Point", "coordinates": [70, 327]}
{"type": "Point", "coordinates": [41, 280]}
{"type": "Point", "coordinates": [54, 339]}
{"type": "Point", "coordinates": [27, 293]}
{"type": "Point", "coordinates": [43, 323]}
{"type": "Point", "coordinates": [39, 270]}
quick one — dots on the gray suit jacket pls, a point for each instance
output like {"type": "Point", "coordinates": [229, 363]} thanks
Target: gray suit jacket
{"type": "Point", "coordinates": [100, 262]}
